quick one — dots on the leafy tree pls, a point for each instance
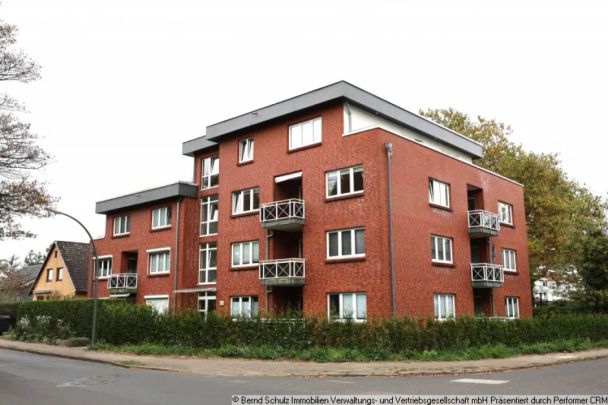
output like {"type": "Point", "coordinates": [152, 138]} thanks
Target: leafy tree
{"type": "Point", "coordinates": [594, 269]}
{"type": "Point", "coordinates": [34, 258]}
{"type": "Point", "coordinates": [20, 194]}
{"type": "Point", "coordinates": [559, 212]}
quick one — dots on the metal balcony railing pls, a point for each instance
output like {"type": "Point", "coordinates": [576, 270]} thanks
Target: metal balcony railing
{"type": "Point", "coordinates": [283, 271]}
{"type": "Point", "coordinates": [284, 214]}
{"type": "Point", "coordinates": [122, 283]}
{"type": "Point", "coordinates": [487, 275]}
{"type": "Point", "coordinates": [483, 223]}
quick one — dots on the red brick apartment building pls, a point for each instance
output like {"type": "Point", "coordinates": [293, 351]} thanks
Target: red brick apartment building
{"type": "Point", "coordinates": [290, 208]}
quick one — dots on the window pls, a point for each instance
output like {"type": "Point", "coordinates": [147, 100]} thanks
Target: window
{"type": "Point", "coordinates": [104, 267]}
{"type": "Point", "coordinates": [207, 265]}
{"type": "Point", "coordinates": [244, 307]}
{"type": "Point", "coordinates": [211, 172]}
{"type": "Point", "coordinates": [161, 217]}
{"type": "Point", "coordinates": [121, 225]}
{"type": "Point", "coordinates": [206, 302]}
{"type": "Point", "coordinates": [505, 213]}
{"type": "Point", "coordinates": [49, 274]}
{"type": "Point", "coordinates": [347, 306]}
{"type": "Point", "coordinates": [444, 306]}
{"type": "Point", "coordinates": [158, 261]}
{"type": "Point", "coordinates": [439, 193]}
{"type": "Point", "coordinates": [59, 273]}
{"type": "Point", "coordinates": [159, 303]}
{"type": "Point", "coordinates": [245, 150]}
{"type": "Point", "coordinates": [512, 307]}
{"type": "Point", "coordinates": [344, 182]}
{"type": "Point", "coordinates": [509, 260]}
{"type": "Point", "coordinates": [245, 253]}
{"type": "Point", "coordinates": [209, 215]}
{"type": "Point", "coordinates": [244, 201]}
{"type": "Point", "coordinates": [441, 249]}
{"type": "Point", "coordinates": [305, 133]}
{"type": "Point", "coordinates": [345, 243]}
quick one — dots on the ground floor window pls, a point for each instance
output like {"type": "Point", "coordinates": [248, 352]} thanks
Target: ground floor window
{"type": "Point", "coordinates": [512, 307]}
{"type": "Point", "coordinates": [206, 302]}
{"type": "Point", "coordinates": [444, 306]}
{"type": "Point", "coordinates": [347, 306]}
{"type": "Point", "coordinates": [159, 303]}
{"type": "Point", "coordinates": [244, 307]}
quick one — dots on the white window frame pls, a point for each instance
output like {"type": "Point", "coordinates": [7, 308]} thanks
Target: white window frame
{"type": "Point", "coordinates": [49, 274]}
{"type": "Point", "coordinates": [148, 298]}
{"type": "Point", "coordinates": [505, 208]}
{"type": "Point", "coordinates": [118, 222]}
{"type": "Point", "coordinates": [297, 130]}
{"type": "Point", "coordinates": [104, 267]}
{"type": "Point", "coordinates": [205, 297]}
{"type": "Point", "coordinates": [354, 303]}
{"type": "Point", "coordinates": [351, 181]}
{"type": "Point", "coordinates": [206, 178]}
{"type": "Point", "coordinates": [59, 274]}
{"type": "Point", "coordinates": [159, 251]}
{"type": "Point", "coordinates": [436, 240]}
{"type": "Point", "coordinates": [509, 260]}
{"type": "Point", "coordinates": [251, 299]}
{"type": "Point", "coordinates": [512, 307]}
{"type": "Point", "coordinates": [206, 203]}
{"type": "Point", "coordinates": [204, 266]}
{"type": "Point", "coordinates": [353, 241]}
{"type": "Point", "coordinates": [162, 217]}
{"type": "Point", "coordinates": [440, 306]}
{"type": "Point", "coordinates": [241, 194]}
{"type": "Point", "coordinates": [439, 193]}
{"type": "Point", "coordinates": [246, 150]}
{"type": "Point", "coordinates": [239, 246]}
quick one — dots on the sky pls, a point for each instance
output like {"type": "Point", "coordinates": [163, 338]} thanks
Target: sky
{"type": "Point", "coordinates": [124, 83]}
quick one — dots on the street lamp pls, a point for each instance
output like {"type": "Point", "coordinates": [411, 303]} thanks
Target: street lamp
{"type": "Point", "coordinates": [94, 286]}
{"type": "Point", "coordinates": [541, 291]}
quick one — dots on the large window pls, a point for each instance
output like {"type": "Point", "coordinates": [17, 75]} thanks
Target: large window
{"type": "Point", "coordinates": [207, 265]}
{"type": "Point", "coordinates": [245, 253]}
{"type": "Point", "coordinates": [245, 150]}
{"type": "Point", "coordinates": [441, 249]}
{"type": "Point", "coordinates": [509, 260]}
{"type": "Point", "coordinates": [158, 261]}
{"type": "Point", "coordinates": [211, 172]}
{"type": "Point", "coordinates": [104, 267]}
{"type": "Point", "coordinates": [439, 193]}
{"type": "Point", "coordinates": [161, 217]}
{"type": "Point", "coordinates": [345, 243]}
{"type": "Point", "coordinates": [512, 307]}
{"type": "Point", "coordinates": [244, 201]}
{"type": "Point", "coordinates": [244, 307]}
{"type": "Point", "coordinates": [344, 182]}
{"type": "Point", "coordinates": [305, 133]}
{"type": "Point", "coordinates": [206, 302]}
{"type": "Point", "coordinates": [347, 306]}
{"type": "Point", "coordinates": [444, 306]}
{"type": "Point", "coordinates": [159, 303]}
{"type": "Point", "coordinates": [505, 213]}
{"type": "Point", "coordinates": [121, 225]}
{"type": "Point", "coordinates": [209, 215]}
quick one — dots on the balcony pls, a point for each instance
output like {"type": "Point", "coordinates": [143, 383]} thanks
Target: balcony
{"type": "Point", "coordinates": [486, 275]}
{"type": "Point", "coordinates": [483, 224]}
{"type": "Point", "coordinates": [285, 215]}
{"type": "Point", "coordinates": [123, 283]}
{"type": "Point", "coordinates": [282, 272]}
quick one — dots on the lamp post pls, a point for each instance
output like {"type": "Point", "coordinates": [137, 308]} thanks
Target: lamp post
{"type": "Point", "coordinates": [94, 278]}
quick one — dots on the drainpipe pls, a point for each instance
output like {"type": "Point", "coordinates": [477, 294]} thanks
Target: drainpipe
{"type": "Point", "coordinates": [176, 257]}
{"type": "Point", "coordinates": [389, 152]}
{"type": "Point", "coordinates": [269, 234]}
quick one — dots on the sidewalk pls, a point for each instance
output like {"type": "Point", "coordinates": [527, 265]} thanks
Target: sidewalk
{"type": "Point", "coordinates": [240, 367]}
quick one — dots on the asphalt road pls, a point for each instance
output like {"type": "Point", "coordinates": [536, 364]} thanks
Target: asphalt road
{"type": "Point", "coordinates": [35, 379]}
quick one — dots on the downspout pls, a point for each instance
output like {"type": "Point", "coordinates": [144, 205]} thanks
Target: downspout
{"type": "Point", "coordinates": [389, 152]}
{"type": "Point", "coordinates": [269, 234]}
{"type": "Point", "coordinates": [176, 257]}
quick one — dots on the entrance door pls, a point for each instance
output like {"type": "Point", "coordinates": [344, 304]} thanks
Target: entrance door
{"type": "Point", "coordinates": [131, 262]}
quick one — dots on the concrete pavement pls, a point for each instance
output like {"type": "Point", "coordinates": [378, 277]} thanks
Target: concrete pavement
{"type": "Point", "coordinates": [243, 367]}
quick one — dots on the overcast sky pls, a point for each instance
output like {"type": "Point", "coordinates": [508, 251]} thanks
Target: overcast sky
{"type": "Point", "coordinates": [125, 82]}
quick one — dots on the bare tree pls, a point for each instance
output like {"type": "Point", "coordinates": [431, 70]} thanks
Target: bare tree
{"type": "Point", "coordinates": [12, 279]}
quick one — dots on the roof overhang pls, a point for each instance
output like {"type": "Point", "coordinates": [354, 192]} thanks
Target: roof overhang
{"type": "Point", "coordinates": [197, 145]}
{"type": "Point", "coordinates": [175, 190]}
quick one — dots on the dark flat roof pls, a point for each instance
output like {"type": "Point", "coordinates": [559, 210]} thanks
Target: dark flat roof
{"type": "Point", "coordinates": [179, 189]}
{"type": "Point", "coordinates": [197, 145]}
{"type": "Point", "coordinates": [338, 91]}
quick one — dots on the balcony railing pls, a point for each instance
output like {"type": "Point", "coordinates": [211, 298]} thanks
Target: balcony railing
{"type": "Point", "coordinates": [285, 215]}
{"type": "Point", "coordinates": [287, 272]}
{"type": "Point", "coordinates": [483, 223]}
{"type": "Point", "coordinates": [487, 275]}
{"type": "Point", "coordinates": [123, 283]}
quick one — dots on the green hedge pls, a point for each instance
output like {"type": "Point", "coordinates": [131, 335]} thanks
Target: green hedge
{"type": "Point", "coordinates": [123, 323]}
{"type": "Point", "coordinates": [579, 302]}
